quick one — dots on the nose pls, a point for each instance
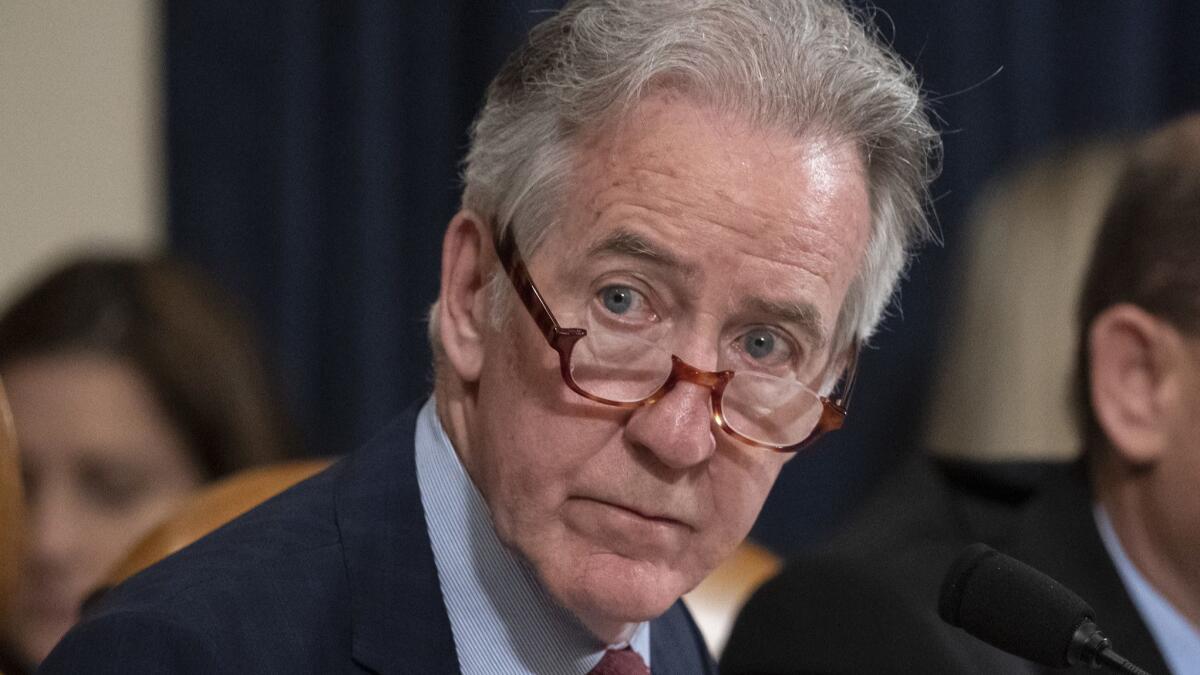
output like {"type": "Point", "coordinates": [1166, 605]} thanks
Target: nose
{"type": "Point", "coordinates": [678, 428]}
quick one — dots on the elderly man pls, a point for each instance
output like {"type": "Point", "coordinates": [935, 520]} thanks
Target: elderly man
{"type": "Point", "coordinates": [702, 208]}
{"type": "Point", "coordinates": [1122, 530]}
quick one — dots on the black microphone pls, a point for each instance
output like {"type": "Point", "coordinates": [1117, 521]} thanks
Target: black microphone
{"type": "Point", "coordinates": [1010, 605]}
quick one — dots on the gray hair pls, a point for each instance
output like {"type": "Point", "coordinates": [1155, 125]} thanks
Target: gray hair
{"type": "Point", "coordinates": [800, 66]}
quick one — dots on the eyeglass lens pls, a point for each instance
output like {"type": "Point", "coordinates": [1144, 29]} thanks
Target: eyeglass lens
{"type": "Point", "coordinates": [626, 369]}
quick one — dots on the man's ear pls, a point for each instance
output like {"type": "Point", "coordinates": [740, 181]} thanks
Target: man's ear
{"type": "Point", "coordinates": [462, 308]}
{"type": "Point", "coordinates": [1131, 375]}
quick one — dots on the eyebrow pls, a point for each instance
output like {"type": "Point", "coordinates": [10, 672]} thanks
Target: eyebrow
{"type": "Point", "coordinates": [805, 315]}
{"type": "Point", "coordinates": [626, 243]}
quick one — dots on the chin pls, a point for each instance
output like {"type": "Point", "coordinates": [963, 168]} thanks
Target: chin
{"type": "Point", "coordinates": [608, 592]}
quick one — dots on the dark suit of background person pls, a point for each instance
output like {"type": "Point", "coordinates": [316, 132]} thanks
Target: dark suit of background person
{"type": "Point", "coordinates": [627, 177]}
{"type": "Point", "coordinates": [868, 602]}
{"type": "Point", "coordinates": [263, 587]}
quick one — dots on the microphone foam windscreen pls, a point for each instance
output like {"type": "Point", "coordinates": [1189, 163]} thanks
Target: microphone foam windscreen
{"type": "Point", "coordinates": [1010, 605]}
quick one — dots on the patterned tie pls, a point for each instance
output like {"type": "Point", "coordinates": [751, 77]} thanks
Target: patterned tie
{"type": "Point", "coordinates": [620, 662]}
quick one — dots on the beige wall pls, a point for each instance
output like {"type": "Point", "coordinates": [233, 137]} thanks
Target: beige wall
{"type": "Point", "coordinates": [1003, 387]}
{"type": "Point", "coordinates": [80, 118]}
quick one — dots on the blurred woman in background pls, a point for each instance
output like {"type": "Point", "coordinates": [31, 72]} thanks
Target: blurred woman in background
{"type": "Point", "coordinates": [131, 383]}
{"type": "Point", "coordinates": [12, 523]}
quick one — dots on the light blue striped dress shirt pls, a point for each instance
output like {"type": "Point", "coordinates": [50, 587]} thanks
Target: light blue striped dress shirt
{"type": "Point", "coordinates": [502, 619]}
{"type": "Point", "coordinates": [1176, 637]}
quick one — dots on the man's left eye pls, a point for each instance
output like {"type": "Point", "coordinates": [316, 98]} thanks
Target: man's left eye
{"type": "Point", "coordinates": [758, 344]}
{"type": "Point", "coordinates": [765, 349]}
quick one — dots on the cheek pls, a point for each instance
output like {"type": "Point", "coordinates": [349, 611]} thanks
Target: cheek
{"type": "Point", "coordinates": [533, 435]}
{"type": "Point", "coordinates": [742, 478]}
{"type": "Point", "coordinates": [533, 462]}
{"type": "Point", "coordinates": [116, 530]}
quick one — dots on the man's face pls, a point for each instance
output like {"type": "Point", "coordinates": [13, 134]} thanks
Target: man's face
{"type": "Point", "coordinates": [622, 511]}
{"type": "Point", "coordinates": [1176, 506]}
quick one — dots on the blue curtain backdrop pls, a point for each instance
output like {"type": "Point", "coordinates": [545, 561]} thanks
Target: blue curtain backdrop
{"type": "Point", "coordinates": [313, 149]}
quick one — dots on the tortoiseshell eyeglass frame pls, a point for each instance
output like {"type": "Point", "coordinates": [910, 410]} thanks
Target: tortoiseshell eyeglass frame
{"type": "Point", "coordinates": [563, 341]}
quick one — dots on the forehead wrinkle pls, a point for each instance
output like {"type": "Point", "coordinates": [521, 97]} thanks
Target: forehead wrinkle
{"type": "Point", "coordinates": [722, 203]}
{"type": "Point", "coordinates": [801, 236]}
{"type": "Point", "coordinates": [764, 233]}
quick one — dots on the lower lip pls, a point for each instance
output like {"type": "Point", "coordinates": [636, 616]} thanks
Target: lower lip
{"type": "Point", "coordinates": [623, 530]}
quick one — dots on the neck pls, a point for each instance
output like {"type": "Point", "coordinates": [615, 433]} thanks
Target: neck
{"type": "Point", "coordinates": [455, 411]}
{"type": "Point", "coordinates": [1149, 531]}
{"type": "Point", "coordinates": [610, 632]}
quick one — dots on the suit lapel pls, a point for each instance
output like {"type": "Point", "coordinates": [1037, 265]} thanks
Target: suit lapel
{"type": "Point", "coordinates": [676, 647]}
{"type": "Point", "coordinates": [399, 620]}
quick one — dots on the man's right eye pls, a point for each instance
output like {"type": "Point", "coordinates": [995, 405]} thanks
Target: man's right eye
{"type": "Point", "coordinates": [618, 299]}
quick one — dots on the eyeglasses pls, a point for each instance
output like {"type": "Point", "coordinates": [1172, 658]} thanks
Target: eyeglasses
{"type": "Point", "coordinates": [619, 367]}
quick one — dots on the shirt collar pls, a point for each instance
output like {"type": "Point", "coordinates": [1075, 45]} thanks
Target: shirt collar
{"type": "Point", "coordinates": [1176, 637]}
{"type": "Point", "coordinates": [501, 617]}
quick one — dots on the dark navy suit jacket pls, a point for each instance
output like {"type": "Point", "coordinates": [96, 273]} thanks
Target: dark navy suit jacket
{"type": "Point", "coordinates": [334, 575]}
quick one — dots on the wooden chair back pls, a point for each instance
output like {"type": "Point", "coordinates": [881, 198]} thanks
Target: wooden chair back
{"type": "Point", "coordinates": [12, 509]}
{"type": "Point", "coordinates": [211, 507]}
{"type": "Point", "coordinates": [715, 603]}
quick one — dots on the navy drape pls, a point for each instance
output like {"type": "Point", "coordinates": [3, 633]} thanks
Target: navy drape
{"type": "Point", "coordinates": [313, 149]}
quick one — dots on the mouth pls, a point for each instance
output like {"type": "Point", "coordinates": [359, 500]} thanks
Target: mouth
{"type": "Point", "coordinates": [629, 530]}
{"type": "Point", "coordinates": [664, 520]}
{"type": "Point", "coordinates": [636, 513]}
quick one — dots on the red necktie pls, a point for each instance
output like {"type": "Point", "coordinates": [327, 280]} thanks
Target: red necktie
{"type": "Point", "coordinates": [620, 662]}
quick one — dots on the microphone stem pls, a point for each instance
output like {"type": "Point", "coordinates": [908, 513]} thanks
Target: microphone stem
{"type": "Point", "coordinates": [1118, 663]}
{"type": "Point", "coordinates": [1089, 646]}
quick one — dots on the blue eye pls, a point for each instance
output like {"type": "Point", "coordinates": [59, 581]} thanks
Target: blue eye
{"type": "Point", "coordinates": [759, 344]}
{"type": "Point", "coordinates": [617, 299]}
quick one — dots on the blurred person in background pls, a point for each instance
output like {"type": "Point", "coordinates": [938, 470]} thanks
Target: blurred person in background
{"type": "Point", "coordinates": [132, 381]}
{"type": "Point", "coordinates": [1138, 393]}
{"type": "Point", "coordinates": [1121, 527]}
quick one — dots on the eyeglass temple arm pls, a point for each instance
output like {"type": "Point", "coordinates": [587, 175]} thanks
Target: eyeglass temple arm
{"type": "Point", "coordinates": [843, 401]}
{"type": "Point", "coordinates": [514, 265]}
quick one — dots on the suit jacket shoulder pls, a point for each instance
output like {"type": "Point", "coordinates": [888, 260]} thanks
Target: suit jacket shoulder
{"type": "Point", "coordinates": [334, 575]}
{"type": "Point", "coordinates": [229, 600]}
{"type": "Point", "coordinates": [291, 586]}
